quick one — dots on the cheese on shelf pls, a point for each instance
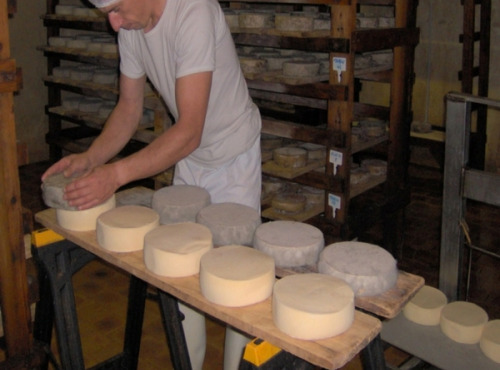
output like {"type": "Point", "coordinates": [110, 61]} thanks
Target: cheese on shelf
{"type": "Point", "coordinates": [290, 157]}
{"type": "Point", "coordinates": [84, 220]}
{"type": "Point", "coordinates": [312, 306]}
{"type": "Point", "coordinates": [236, 276]}
{"type": "Point", "coordinates": [180, 203]}
{"type": "Point", "coordinates": [300, 68]}
{"type": "Point", "coordinates": [369, 269]}
{"type": "Point", "coordinates": [289, 202]}
{"type": "Point", "coordinates": [290, 243]}
{"type": "Point", "coordinates": [463, 322]}
{"type": "Point", "coordinates": [175, 250]}
{"type": "Point", "coordinates": [490, 340]}
{"type": "Point", "coordinates": [230, 223]}
{"type": "Point", "coordinates": [426, 306]}
{"type": "Point", "coordinates": [123, 229]}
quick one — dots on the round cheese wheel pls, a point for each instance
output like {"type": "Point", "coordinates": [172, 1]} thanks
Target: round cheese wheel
{"type": "Point", "coordinates": [359, 175]}
{"type": "Point", "coordinates": [83, 220]}
{"type": "Point", "coordinates": [290, 243]}
{"type": "Point", "coordinates": [179, 203]}
{"type": "Point", "coordinates": [77, 44]}
{"type": "Point", "coordinates": [426, 306]}
{"type": "Point", "coordinates": [62, 9]}
{"type": "Point", "coordinates": [95, 47]}
{"type": "Point", "coordinates": [175, 250]}
{"type": "Point", "coordinates": [300, 22]}
{"type": "Point", "coordinates": [230, 223]}
{"type": "Point", "coordinates": [80, 11]}
{"type": "Point", "coordinates": [62, 72]}
{"type": "Point", "coordinates": [271, 185]}
{"type": "Point", "coordinates": [105, 76]}
{"type": "Point", "coordinates": [53, 191]}
{"type": "Point", "coordinates": [252, 64]}
{"type": "Point", "coordinates": [373, 128]}
{"type": "Point", "coordinates": [232, 19]}
{"type": "Point", "coordinates": [289, 202]}
{"type": "Point", "coordinates": [367, 268]}
{"type": "Point", "coordinates": [300, 68]}
{"type": "Point", "coordinates": [256, 20]}
{"type": "Point", "coordinates": [81, 74]}
{"type": "Point", "coordinates": [72, 102]}
{"type": "Point", "coordinates": [122, 229]}
{"type": "Point", "coordinates": [312, 306]}
{"type": "Point", "coordinates": [109, 48]}
{"type": "Point", "coordinates": [322, 23]}
{"type": "Point", "coordinates": [313, 195]}
{"type": "Point", "coordinates": [236, 276]}
{"type": "Point", "coordinates": [90, 105]}
{"type": "Point", "coordinates": [290, 157]}
{"type": "Point", "coordinates": [270, 141]}
{"type": "Point", "coordinates": [314, 151]}
{"type": "Point", "coordinates": [490, 340]}
{"type": "Point", "coordinates": [59, 41]}
{"type": "Point", "coordinates": [463, 322]}
{"type": "Point", "coordinates": [376, 167]}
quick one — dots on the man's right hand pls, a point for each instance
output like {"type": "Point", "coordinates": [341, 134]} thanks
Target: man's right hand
{"type": "Point", "coordinates": [74, 165]}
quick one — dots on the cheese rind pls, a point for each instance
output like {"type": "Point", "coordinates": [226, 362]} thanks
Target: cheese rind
{"type": "Point", "coordinates": [312, 306]}
{"type": "Point", "coordinates": [230, 223]}
{"type": "Point", "coordinates": [175, 250]}
{"type": "Point", "coordinates": [290, 243]}
{"type": "Point", "coordinates": [289, 202]}
{"type": "Point", "coordinates": [426, 306]}
{"type": "Point", "coordinates": [490, 340]}
{"type": "Point", "coordinates": [463, 321]}
{"type": "Point", "coordinates": [123, 229]}
{"type": "Point", "coordinates": [83, 220]}
{"type": "Point", "coordinates": [236, 276]}
{"type": "Point", "coordinates": [367, 268]}
{"type": "Point", "coordinates": [290, 157]}
{"type": "Point", "coordinates": [179, 203]}
{"type": "Point", "coordinates": [53, 191]}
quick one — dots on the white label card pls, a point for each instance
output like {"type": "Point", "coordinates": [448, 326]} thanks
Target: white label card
{"type": "Point", "coordinates": [336, 159]}
{"type": "Point", "coordinates": [335, 202]}
{"type": "Point", "coordinates": [339, 65]}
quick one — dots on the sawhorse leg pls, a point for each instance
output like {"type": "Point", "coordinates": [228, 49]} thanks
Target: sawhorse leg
{"type": "Point", "coordinates": [172, 322]}
{"type": "Point", "coordinates": [372, 356]}
{"type": "Point", "coordinates": [59, 261]}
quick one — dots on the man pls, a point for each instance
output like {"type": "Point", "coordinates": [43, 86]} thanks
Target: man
{"type": "Point", "coordinates": [187, 52]}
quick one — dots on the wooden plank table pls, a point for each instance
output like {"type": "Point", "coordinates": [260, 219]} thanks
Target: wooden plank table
{"type": "Point", "coordinates": [256, 320]}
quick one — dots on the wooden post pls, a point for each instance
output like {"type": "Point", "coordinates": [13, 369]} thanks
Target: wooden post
{"type": "Point", "coordinates": [13, 279]}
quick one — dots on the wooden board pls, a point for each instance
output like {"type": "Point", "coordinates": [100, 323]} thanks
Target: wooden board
{"type": "Point", "coordinates": [273, 169]}
{"type": "Point", "coordinates": [255, 320]}
{"type": "Point", "coordinates": [310, 211]}
{"type": "Point", "coordinates": [279, 77]}
{"type": "Point", "coordinates": [388, 304]}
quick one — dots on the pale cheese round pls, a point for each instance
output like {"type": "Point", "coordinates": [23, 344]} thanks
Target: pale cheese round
{"type": "Point", "coordinates": [236, 276]}
{"type": "Point", "coordinates": [463, 322]}
{"type": "Point", "coordinates": [230, 223]}
{"type": "Point", "coordinates": [289, 202]}
{"type": "Point", "coordinates": [123, 229]}
{"type": "Point", "coordinates": [256, 19]}
{"type": "Point", "coordinates": [300, 68]}
{"type": "Point", "coordinates": [180, 203]}
{"type": "Point", "coordinates": [175, 250]}
{"type": "Point", "coordinates": [90, 105]}
{"type": "Point", "coordinates": [490, 340]}
{"type": "Point", "coordinates": [369, 269]}
{"type": "Point", "coordinates": [290, 243]}
{"type": "Point", "coordinates": [251, 64]}
{"type": "Point", "coordinates": [84, 220]}
{"type": "Point", "coordinates": [426, 306]}
{"type": "Point", "coordinates": [312, 306]}
{"type": "Point", "coordinates": [294, 21]}
{"type": "Point", "coordinates": [290, 157]}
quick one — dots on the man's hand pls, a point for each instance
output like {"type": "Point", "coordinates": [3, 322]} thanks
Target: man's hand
{"type": "Point", "coordinates": [73, 165]}
{"type": "Point", "coordinates": [93, 188]}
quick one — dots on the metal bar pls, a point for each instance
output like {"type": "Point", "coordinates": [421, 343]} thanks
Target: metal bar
{"type": "Point", "coordinates": [482, 186]}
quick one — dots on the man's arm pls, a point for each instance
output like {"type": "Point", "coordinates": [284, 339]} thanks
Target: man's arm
{"type": "Point", "coordinates": [180, 140]}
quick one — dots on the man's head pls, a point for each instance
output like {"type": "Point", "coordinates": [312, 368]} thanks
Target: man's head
{"type": "Point", "coordinates": [103, 3]}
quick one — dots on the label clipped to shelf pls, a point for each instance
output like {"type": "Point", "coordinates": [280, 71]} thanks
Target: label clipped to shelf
{"type": "Point", "coordinates": [336, 159]}
{"type": "Point", "coordinates": [339, 65]}
{"type": "Point", "coordinates": [335, 202]}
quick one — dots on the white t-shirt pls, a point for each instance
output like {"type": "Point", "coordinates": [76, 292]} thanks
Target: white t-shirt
{"type": "Point", "coordinates": [192, 36]}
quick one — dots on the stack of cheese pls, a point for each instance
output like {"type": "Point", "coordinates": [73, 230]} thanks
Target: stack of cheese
{"type": "Point", "coordinates": [67, 216]}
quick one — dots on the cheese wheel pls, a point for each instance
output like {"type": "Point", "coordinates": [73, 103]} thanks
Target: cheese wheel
{"type": "Point", "coordinates": [463, 322]}
{"type": "Point", "coordinates": [72, 102]}
{"type": "Point", "coordinates": [490, 341]}
{"type": "Point", "coordinates": [373, 128]}
{"type": "Point", "coordinates": [109, 48]}
{"type": "Point", "coordinates": [252, 64]}
{"type": "Point", "coordinates": [81, 74]}
{"type": "Point", "coordinates": [426, 306]}
{"type": "Point", "coordinates": [376, 167]}
{"type": "Point", "coordinates": [53, 191]}
{"type": "Point", "coordinates": [83, 220]}
{"type": "Point", "coordinates": [122, 229]}
{"type": "Point", "coordinates": [232, 19]}
{"type": "Point", "coordinates": [137, 196]}
{"type": "Point", "coordinates": [175, 250]}
{"type": "Point", "coordinates": [294, 22]}
{"type": "Point", "coordinates": [300, 68]}
{"type": "Point", "coordinates": [59, 41]}
{"type": "Point", "coordinates": [62, 72]}
{"type": "Point", "coordinates": [62, 9]}
{"type": "Point", "coordinates": [270, 141]}
{"type": "Point", "coordinates": [95, 47]}
{"type": "Point", "coordinates": [271, 185]}
{"type": "Point", "coordinates": [230, 223]}
{"type": "Point", "coordinates": [90, 105]}
{"type": "Point", "coordinates": [369, 269]}
{"type": "Point", "coordinates": [290, 243]}
{"type": "Point", "coordinates": [179, 203]}
{"type": "Point", "coordinates": [77, 44]}
{"type": "Point", "coordinates": [314, 151]}
{"type": "Point", "coordinates": [312, 306]}
{"type": "Point", "coordinates": [256, 20]}
{"type": "Point", "coordinates": [289, 202]}
{"type": "Point", "coordinates": [290, 157]}
{"type": "Point", "coordinates": [359, 175]}
{"type": "Point", "coordinates": [313, 195]}
{"type": "Point", "coordinates": [236, 276]}
{"type": "Point", "coordinates": [80, 11]}
{"type": "Point", "coordinates": [322, 23]}
{"type": "Point", "coordinates": [105, 76]}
